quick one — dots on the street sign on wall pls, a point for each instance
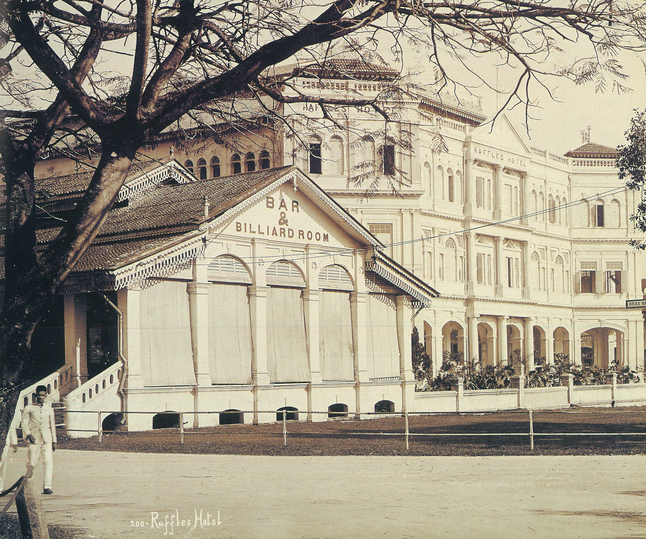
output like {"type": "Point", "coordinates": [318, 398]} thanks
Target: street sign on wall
{"type": "Point", "coordinates": [636, 304]}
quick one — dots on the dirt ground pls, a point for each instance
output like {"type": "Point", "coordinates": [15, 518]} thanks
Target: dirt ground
{"type": "Point", "coordinates": [572, 431]}
{"type": "Point", "coordinates": [584, 478]}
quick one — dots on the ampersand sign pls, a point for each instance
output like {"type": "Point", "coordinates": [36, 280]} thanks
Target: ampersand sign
{"type": "Point", "coordinates": [283, 219]}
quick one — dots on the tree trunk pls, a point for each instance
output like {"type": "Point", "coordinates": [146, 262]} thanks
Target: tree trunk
{"type": "Point", "coordinates": [36, 279]}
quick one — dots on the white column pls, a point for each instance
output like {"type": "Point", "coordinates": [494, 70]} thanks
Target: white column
{"type": "Point", "coordinates": [503, 347]}
{"type": "Point", "coordinates": [258, 305]}
{"type": "Point", "coordinates": [438, 352]}
{"type": "Point", "coordinates": [525, 269]}
{"type": "Point", "coordinates": [523, 193]}
{"type": "Point", "coordinates": [469, 181]}
{"type": "Point", "coordinates": [500, 269]}
{"type": "Point", "coordinates": [473, 338]}
{"type": "Point", "coordinates": [612, 345]}
{"type": "Point", "coordinates": [549, 343]}
{"type": "Point", "coordinates": [75, 336]}
{"type": "Point", "coordinates": [311, 304]}
{"type": "Point", "coordinates": [359, 313]}
{"type": "Point", "coordinates": [576, 340]}
{"type": "Point", "coordinates": [471, 263]}
{"type": "Point", "coordinates": [497, 192]}
{"type": "Point", "coordinates": [132, 338]}
{"type": "Point", "coordinates": [198, 299]}
{"type": "Point", "coordinates": [404, 332]}
{"type": "Point", "coordinates": [529, 343]}
{"type": "Point", "coordinates": [635, 346]}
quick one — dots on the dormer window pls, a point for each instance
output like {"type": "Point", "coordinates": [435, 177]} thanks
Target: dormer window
{"type": "Point", "coordinates": [201, 169]}
{"type": "Point", "coordinates": [250, 162]}
{"type": "Point", "coordinates": [265, 162]}
{"type": "Point", "coordinates": [215, 167]}
{"type": "Point", "coordinates": [236, 166]}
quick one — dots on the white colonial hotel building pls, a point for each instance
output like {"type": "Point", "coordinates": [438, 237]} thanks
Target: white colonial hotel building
{"type": "Point", "coordinates": [528, 251]}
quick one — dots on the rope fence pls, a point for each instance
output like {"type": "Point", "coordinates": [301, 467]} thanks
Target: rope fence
{"type": "Point", "coordinates": [283, 418]}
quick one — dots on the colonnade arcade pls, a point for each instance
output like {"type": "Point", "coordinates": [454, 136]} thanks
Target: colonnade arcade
{"type": "Point", "coordinates": [596, 346]}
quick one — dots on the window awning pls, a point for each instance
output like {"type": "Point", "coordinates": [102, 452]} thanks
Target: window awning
{"type": "Point", "coordinates": [401, 278]}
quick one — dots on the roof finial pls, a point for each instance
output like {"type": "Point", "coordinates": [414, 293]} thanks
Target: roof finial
{"type": "Point", "coordinates": [206, 207]}
{"type": "Point", "coordinates": [172, 152]}
{"type": "Point", "coordinates": [585, 134]}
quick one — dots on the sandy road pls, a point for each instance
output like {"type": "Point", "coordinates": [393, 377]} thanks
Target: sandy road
{"type": "Point", "coordinates": [210, 496]}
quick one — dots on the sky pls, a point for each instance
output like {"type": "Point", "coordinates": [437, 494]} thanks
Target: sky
{"type": "Point", "coordinates": [559, 121]}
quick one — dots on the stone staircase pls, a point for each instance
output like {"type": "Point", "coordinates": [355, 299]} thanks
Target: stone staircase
{"type": "Point", "coordinates": [59, 416]}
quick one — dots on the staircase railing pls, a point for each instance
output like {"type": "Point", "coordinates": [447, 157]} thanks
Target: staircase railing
{"type": "Point", "coordinates": [56, 383]}
{"type": "Point", "coordinates": [99, 393]}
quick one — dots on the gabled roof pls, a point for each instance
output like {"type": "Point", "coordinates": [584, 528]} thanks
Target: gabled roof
{"type": "Point", "coordinates": [161, 230]}
{"type": "Point", "coordinates": [592, 150]}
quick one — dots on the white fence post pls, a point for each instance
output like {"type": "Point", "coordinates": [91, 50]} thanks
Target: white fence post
{"type": "Point", "coordinates": [284, 428]}
{"type": "Point", "coordinates": [531, 431]}
{"type": "Point", "coordinates": [407, 430]}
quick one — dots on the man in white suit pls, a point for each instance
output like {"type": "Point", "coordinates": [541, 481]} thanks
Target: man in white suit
{"type": "Point", "coordinates": [39, 428]}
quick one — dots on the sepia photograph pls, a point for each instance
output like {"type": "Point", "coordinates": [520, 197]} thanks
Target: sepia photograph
{"type": "Point", "coordinates": [322, 269]}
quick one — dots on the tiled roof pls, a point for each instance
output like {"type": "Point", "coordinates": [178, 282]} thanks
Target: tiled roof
{"type": "Point", "coordinates": [184, 204]}
{"type": "Point", "coordinates": [350, 68]}
{"type": "Point", "coordinates": [155, 222]}
{"type": "Point", "coordinates": [591, 149]}
{"type": "Point", "coordinates": [76, 184]}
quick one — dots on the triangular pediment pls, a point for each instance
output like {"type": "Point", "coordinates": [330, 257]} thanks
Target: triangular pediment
{"type": "Point", "coordinates": [500, 137]}
{"type": "Point", "coordinates": [294, 211]}
{"type": "Point", "coordinates": [289, 212]}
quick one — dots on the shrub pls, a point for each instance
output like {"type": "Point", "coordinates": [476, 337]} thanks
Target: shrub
{"type": "Point", "coordinates": [422, 364]}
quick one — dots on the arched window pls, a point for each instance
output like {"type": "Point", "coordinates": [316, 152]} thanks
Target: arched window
{"type": "Point", "coordinates": [201, 169]}
{"type": "Point", "coordinates": [250, 162]}
{"type": "Point", "coordinates": [559, 278]}
{"type": "Point", "coordinates": [534, 209]}
{"type": "Point", "coordinates": [536, 267]}
{"type": "Point", "coordinates": [450, 185]}
{"type": "Point", "coordinates": [614, 219]}
{"type": "Point", "coordinates": [315, 157]}
{"type": "Point", "coordinates": [429, 178]}
{"type": "Point", "coordinates": [189, 165]}
{"type": "Point", "coordinates": [564, 210]}
{"type": "Point", "coordinates": [550, 207]}
{"type": "Point", "coordinates": [388, 159]}
{"type": "Point", "coordinates": [451, 265]}
{"type": "Point", "coordinates": [557, 212]}
{"type": "Point", "coordinates": [597, 215]}
{"type": "Point", "coordinates": [338, 161]}
{"type": "Point", "coordinates": [384, 407]}
{"type": "Point", "coordinates": [265, 162]}
{"type": "Point", "coordinates": [337, 410]}
{"type": "Point", "coordinates": [459, 188]}
{"type": "Point", "coordinates": [541, 206]}
{"type": "Point", "coordinates": [366, 155]}
{"type": "Point", "coordinates": [440, 182]}
{"type": "Point", "coordinates": [236, 166]}
{"type": "Point", "coordinates": [215, 167]}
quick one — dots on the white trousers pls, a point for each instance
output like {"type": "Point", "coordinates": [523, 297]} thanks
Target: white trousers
{"type": "Point", "coordinates": [43, 451]}
{"type": "Point", "coordinates": [3, 464]}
